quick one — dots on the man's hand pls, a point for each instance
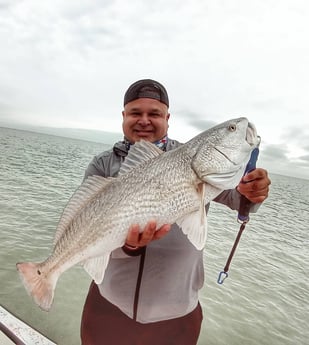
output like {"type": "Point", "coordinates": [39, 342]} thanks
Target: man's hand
{"type": "Point", "coordinates": [150, 233]}
{"type": "Point", "coordinates": [255, 185]}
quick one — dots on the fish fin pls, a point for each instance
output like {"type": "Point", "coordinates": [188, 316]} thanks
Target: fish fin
{"type": "Point", "coordinates": [139, 153]}
{"type": "Point", "coordinates": [194, 225]}
{"type": "Point", "coordinates": [96, 267]}
{"type": "Point", "coordinates": [195, 230]}
{"type": "Point", "coordinates": [38, 285]}
{"type": "Point", "coordinates": [86, 191]}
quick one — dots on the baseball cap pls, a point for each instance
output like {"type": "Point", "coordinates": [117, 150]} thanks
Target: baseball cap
{"type": "Point", "coordinates": [146, 88]}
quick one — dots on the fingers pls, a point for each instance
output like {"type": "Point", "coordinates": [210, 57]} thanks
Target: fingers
{"type": "Point", "coordinates": [138, 238]}
{"type": "Point", "coordinates": [257, 174]}
{"type": "Point", "coordinates": [162, 231]}
{"type": "Point", "coordinates": [255, 185]}
{"type": "Point", "coordinates": [133, 236]}
{"type": "Point", "coordinates": [256, 197]}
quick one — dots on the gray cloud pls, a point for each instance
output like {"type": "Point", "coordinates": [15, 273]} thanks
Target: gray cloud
{"type": "Point", "coordinates": [297, 134]}
{"type": "Point", "coordinates": [274, 152]}
{"type": "Point", "coordinates": [201, 125]}
{"type": "Point", "coordinates": [305, 159]}
{"type": "Point", "coordinates": [195, 120]}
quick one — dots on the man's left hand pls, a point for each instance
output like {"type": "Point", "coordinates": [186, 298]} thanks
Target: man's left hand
{"type": "Point", "coordinates": [255, 185]}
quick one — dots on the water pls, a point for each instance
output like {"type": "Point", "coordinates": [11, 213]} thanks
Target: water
{"type": "Point", "coordinates": [264, 301]}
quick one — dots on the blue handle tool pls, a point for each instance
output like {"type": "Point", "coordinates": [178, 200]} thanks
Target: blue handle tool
{"type": "Point", "coordinates": [245, 204]}
{"type": "Point", "coordinates": [243, 216]}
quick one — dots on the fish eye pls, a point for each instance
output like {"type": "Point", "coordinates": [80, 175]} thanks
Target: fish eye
{"type": "Point", "coordinates": [232, 128]}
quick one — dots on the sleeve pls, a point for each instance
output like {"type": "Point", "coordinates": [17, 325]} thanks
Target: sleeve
{"type": "Point", "coordinates": [94, 168]}
{"type": "Point", "coordinates": [231, 198]}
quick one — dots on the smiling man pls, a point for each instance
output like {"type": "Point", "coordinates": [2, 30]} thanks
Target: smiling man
{"type": "Point", "coordinates": [149, 294]}
{"type": "Point", "coordinates": [145, 114]}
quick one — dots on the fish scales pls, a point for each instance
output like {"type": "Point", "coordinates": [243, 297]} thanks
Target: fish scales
{"type": "Point", "coordinates": [155, 197]}
{"type": "Point", "coordinates": [171, 187]}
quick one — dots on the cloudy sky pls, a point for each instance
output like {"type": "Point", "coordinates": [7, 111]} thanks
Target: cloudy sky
{"type": "Point", "coordinates": [68, 64]}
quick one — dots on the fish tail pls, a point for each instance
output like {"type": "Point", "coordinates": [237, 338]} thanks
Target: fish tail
{"type": "Point", "coordinates": [39, 285]}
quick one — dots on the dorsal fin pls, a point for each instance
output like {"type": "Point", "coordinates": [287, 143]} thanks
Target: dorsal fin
{"type": "Point", "coordinates": [140, 152]}
{"type": "Point", "coordinates": [86, 191]}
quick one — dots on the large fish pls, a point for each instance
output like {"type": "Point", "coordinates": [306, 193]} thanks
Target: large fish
{"type": "Point", "coordinates": [170, 187]}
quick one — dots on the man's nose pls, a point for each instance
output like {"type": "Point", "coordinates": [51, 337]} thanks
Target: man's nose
{"type": "Point", "coordinates": [144, 120]}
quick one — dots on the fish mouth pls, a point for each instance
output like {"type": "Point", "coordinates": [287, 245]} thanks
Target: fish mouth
{"type": "Point", "coordinates": [251, 135]}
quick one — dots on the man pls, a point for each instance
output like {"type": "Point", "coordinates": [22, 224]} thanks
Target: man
{"type": "Point", "coordinates": [149, 294]}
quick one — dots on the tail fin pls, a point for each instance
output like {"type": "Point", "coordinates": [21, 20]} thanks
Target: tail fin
{"type": "Point", "coordinates": [38, 284]}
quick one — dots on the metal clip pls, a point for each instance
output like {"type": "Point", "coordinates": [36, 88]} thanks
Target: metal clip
{"type": "Point", "coordinates": [222, 276]}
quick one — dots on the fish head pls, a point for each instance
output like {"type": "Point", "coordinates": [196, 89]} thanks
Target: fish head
{"type": "Point", "coordinates": [222, 152]}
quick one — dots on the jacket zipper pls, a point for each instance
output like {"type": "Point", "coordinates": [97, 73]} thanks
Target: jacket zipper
{"type": "Point", "coordinates": [138, 282]}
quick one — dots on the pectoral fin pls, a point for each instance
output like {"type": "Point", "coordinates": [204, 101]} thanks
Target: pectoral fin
{"type": "Point", "coordinates": [96, 267]}
{"type": "Point", "coordinates": [194, 225]}
{"type": "Point", "coordinates": [195, 230]}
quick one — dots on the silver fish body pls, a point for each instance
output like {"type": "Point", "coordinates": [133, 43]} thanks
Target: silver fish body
{"type": "Point", "coordinates": [170, 187]}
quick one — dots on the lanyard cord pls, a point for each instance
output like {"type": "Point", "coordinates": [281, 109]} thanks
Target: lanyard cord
{"type": "Point", "coordinates": [223, 274]}
{"type": "Point", "coordinates": [241, 229]}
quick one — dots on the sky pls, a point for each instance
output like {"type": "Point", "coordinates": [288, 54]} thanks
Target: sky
{"type": "Point", "coordinates": [67, 64]}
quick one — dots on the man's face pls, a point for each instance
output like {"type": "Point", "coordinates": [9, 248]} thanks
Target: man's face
{"type": "Point", "coordinates": [145, 118]}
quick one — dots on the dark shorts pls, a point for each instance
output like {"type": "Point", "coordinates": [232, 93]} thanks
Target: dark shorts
{"type": "Point", "coordinates": [104, 324]}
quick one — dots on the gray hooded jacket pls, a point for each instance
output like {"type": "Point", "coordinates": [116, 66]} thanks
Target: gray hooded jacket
{"type": "Point", "coordinates": [160, 281]}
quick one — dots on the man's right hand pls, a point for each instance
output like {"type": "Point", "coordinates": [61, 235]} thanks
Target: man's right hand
{"type": "Point", "coordinates": [137, 238]}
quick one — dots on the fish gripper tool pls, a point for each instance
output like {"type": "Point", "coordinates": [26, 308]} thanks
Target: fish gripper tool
{"type": "Point", "coordinates": [242, 218]}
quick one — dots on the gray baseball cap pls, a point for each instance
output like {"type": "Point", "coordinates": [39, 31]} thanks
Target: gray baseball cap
{"type": "Point", "coordinates": [146, 88]}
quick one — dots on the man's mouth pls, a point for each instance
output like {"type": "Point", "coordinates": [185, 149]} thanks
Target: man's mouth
{"type": "Point", "coordinates": [143, 133]}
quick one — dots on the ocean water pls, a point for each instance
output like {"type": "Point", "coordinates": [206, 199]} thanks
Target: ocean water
{"type": "Point", "coordinates": [264, 301]}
